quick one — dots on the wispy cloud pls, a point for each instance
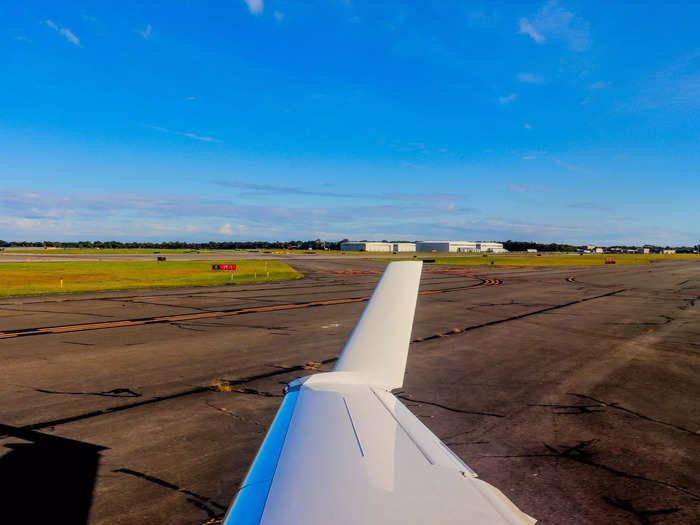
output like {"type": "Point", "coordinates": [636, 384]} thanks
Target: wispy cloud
{"type": "Point", "coordinates": [599, 85]}
{"type": "Point", "coordinates": [590, 206]}
{"type": "Point", "coordinates": [23, 39]}
{"type": "Point", "coordinates": [526, 28]}
{"type": "Point", "coordinates": [187, 134]}
{"type": "Point", "coordinates": [279, 16]}
{"type": "Point", "coordinates": [198, 137]}
{"type": "Point", "coordinates": [269, 189]}
{"type": "Point", "coordinates": [530, 78]}
{"type": "Point", "coordinates": [527, 126]}
{"type": "Point", "coordinates": [64, 31]}
{"type": "Point", "coordinates": [146, 32]}
{"type": "Point", "coordinates": [190, 98]}
{"type": "Point", "coordinates": [551, 21]}
{"type": "Point", "coordinates": [569, 166]}
{"type": "Point", "coordinates": [254, 6]}
{"type": "Point", "coordinates": [507, 99]}
{"type": "Point", "coordinates": [676, 87]}
{"type": "Point", "coordinates": [525, 188]}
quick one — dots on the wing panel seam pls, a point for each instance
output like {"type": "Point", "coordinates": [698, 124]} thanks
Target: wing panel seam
{"type": "Point", "coordinates": [425, 454]}
{"type": "Point", "coordinates": [352, 424]}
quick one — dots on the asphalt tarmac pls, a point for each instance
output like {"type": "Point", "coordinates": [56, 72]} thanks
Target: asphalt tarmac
{"type": "Point", "coordinates": [575, 391]}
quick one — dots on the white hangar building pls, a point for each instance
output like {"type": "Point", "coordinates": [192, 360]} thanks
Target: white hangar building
{"type": "Point", "coordinates": [493, 247]}
{"type": "Point", "coordinates": [353, 246]}
{"type": "Point", "coordinates": [460, 246]}
{"type": "Point", "coordinates": [404, 246]}
{"type": "Point", "coordinates": [371, 246]}
{"type": "Point", "coordinates": [423, 246]}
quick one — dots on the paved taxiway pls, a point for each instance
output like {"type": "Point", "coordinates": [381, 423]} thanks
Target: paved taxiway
{"type": "Point", "coordinates": [573, 390]}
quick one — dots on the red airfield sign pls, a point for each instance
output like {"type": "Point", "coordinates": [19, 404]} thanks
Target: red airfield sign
{"type": "Point", "coordinates": [229, 267]}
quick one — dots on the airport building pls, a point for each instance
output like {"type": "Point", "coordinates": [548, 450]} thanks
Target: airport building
{"type": "Point", "coordinates": [446, 246]}
{"type": "Point", "coordinates": [459, 246]}
{"type": "Point", "coordinates": [363, 246]}
{"type": "Point", "coordinates": [423, 246]}
{"type": "Point", "coordinates": [404, 246]}
{"type": "Point", "coordinates": [492, 247]}
{"type": "Point", "coordinates": [372, 246]}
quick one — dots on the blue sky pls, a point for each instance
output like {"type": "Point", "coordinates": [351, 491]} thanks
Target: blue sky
{"type": "Point", "coordinates": [554, 121]}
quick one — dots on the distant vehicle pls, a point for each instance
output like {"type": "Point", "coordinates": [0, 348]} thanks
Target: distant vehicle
{"type": "Point", "coordinates": [342, 449]}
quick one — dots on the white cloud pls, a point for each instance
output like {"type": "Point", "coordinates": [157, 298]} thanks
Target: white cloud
{"type": "Point", "coordinates": [530, 78]}
{"type": "Point", "coordinates": [254, 6]}
{"type": "Point", "coordinates": [236, 229]}
{"type": "Point", "coordinates": [70, 36]}
{"type": "Point", "coordinates": [528, 157]}
{"type": "Point", "coordinates": [526, 28]}
{"type": "Point", "coordinates": [145, 33]}
{"type": "Point", "coordinates": [65, 32]}
{"type": "Point", "coordinates": [198, 137]}
{"type": "Point", "coordinates": [527, 126]}
{"type": "Point", "coordinates": [507, 99]}
{"type": "Point", "coordinates": [187, 134]}
{"type": "Point", "coordinates": [279, 16]}
{"type": "Point", "coordinates": [551, 21]}
{"type": "Point", "coordinates": [525, 188]}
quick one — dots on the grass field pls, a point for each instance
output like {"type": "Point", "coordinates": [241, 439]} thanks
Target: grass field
{"type": "Point", "coordinates": [45, 277]}
{"type": "Point", "coordinates": [551, 260]}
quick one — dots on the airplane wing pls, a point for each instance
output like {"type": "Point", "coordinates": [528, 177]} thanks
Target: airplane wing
{"type": "Point", "coordinates": [343, 450]}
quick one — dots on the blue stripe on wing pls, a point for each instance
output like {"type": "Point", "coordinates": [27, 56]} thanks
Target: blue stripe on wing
{"type": "Point", "coordinates": [248, 506]}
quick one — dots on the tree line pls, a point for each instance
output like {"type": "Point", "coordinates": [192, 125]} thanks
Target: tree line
{"type": "Point", "coordinates": [316, 244]}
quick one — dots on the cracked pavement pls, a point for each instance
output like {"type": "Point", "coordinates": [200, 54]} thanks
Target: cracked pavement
{"type": "Point", "coordinates": [573, 390]}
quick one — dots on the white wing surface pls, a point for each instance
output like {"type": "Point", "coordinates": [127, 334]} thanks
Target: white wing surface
{"type": "Point", "coordinates": [344, 450]}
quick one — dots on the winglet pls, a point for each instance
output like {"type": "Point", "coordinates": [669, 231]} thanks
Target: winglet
{"type": "Point", "coordinates": [378, 346]}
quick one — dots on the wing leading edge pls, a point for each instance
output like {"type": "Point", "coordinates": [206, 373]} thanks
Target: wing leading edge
{"type": "Point", "coordinates": [344, 450]}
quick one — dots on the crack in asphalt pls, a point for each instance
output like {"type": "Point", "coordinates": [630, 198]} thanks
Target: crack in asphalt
{"type": "Point", "coordinates": [515, 317]}
{"type": "Point", "coordinates": [580, 453]}
{"type": "Point", "coordinates": [445, 407]}
{"type": "Point", "coordinates": [201, 502]}
{"type": "Point", "coordinates": [642, 515]}
{"type": "Point", "coordinates": [572, 409]}
{"type": "Point", "coordinates": [225, 386]}
{"type": "Point", "coordinates": [115, 392]}
{"type": "Point", "coordinates": [233, 414]}
{"type": "Point", "coordinates": [158, 399]}
{"type": "Point", "coordinates": [615, 405]}
{"type": "Point", "coordinates": [28, 311]}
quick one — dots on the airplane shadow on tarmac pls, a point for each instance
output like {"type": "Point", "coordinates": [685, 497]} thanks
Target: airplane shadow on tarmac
{"type": "Point", "coordinates": [50, 478]}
